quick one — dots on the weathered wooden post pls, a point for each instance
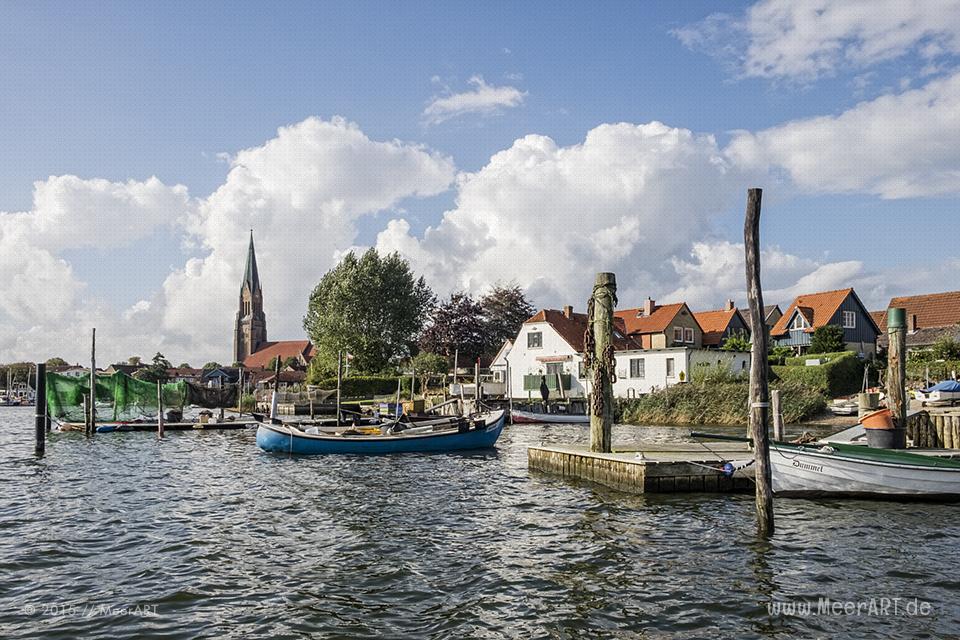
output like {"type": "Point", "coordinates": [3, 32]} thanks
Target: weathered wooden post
{"type": "Point", "coordinates": [897, 373]}
{"type": "Point", "coordinates": [413, 381]}
{"type": "Point", "coordinates": [601, 360]}
{"type": "Point", "coordinates": [759, 391]}
{"type": "Point", "coordinates": [240, 392]}
{"type": "Point", "coordinates": [159, 410]}
{"type": "Point", "coordinates": [339, 382]}
{"type": "Point", "coordinates": [40, 424]}
{"type": "Point", "coordinates": [509, 390]}
{"type": "Point", "coordinates": [92, 423]}
{"type": "Point", "coordinates": [777, 415]}
{"type": "Point", "coordinates": [476, 385]}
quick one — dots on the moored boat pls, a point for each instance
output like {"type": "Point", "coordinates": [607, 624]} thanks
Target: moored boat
{"type": "Point", "coordinates": [947, 391]}
{"type": "Point", "coordinates": [857, 470]}
{"type": "Point", "coordinates": [479, 431]}
{"type": "Point", "coordinates": [530, 417]}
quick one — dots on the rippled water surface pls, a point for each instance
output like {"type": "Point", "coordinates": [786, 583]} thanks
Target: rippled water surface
{"type": "Point", "coordinates": [203, 535]}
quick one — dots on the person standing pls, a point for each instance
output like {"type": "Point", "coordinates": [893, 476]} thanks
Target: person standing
{"type": "Point", "coordinates": [545, 394]}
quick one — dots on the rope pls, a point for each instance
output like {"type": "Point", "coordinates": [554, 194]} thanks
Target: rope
{"type": "Point", "coordinates": [604, 368]}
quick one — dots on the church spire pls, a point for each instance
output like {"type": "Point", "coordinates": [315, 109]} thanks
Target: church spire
{"type": "Point", "coordinates": [250, 276]}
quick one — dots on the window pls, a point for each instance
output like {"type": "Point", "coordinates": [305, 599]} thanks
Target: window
{"type": "Point", "coordinates": [535, 340]}
{"type": "Point", "coordinates": [799, 322]}
{"type": "Point", "coordinates": [849, 320]}
{"type": "Point", "coordinates": [553, 368]}
{"type": "Point", "coordinates": [678, 334]}
{"type": "Point", "coordinates": [671, 368]}
{"type": "Point", "coordinates": [581, 371]}
{"type": "Point", "coordinates": [637, 368]}
{"type": "Point", "coordinates": [688, 335]}
{"type": "Point", "coordinates": [496, 376]}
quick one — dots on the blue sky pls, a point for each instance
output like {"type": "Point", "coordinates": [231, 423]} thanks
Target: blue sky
{"type": "Point", "coordinates": [123, 92]}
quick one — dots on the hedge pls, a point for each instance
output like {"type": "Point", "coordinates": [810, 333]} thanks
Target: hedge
{"type": "Point", "coordinates": [839, 377]}
{"type": "Point", "coordinates": [800, 361]}
{"type": "Point", "coordinates": [362, 386]}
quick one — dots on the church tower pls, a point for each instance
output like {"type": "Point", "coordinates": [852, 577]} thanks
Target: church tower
{"type": "Point", "coordinates": [251, 328]}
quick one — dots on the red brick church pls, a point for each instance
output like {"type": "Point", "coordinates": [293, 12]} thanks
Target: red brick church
{"type": "Point", "coordinates": [250, 344]}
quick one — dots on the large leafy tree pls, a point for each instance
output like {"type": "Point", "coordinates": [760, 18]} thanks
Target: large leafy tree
{"type": "Point", "coordinates": [56, 362]}
{"type": "Point", "coordinates": [456, 324]}
{"type": "Point", "coordinates": [372, 306]}
{"type": "Point", "coordinates": [505, 309]}
{"type": "Point", "coordinates": [827, 339]}
{"type": "Point", "coordinates": [156, 372]}
{"type": "Point", "coordinates": [429, 365]}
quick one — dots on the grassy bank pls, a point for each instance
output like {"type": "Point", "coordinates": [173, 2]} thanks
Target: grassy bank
{"type": "Point", "coordinates": [716, 403]}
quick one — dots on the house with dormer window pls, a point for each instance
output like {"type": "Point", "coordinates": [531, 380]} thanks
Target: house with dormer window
{"type": "Point", "coordinates": [841, 307]}
{"type": "Point", "coordinates": [659, 326]}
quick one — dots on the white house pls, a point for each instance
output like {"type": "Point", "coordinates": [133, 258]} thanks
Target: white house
{"type": "Point", "coordinates": [550, 344]}
{"type": "Point", "coordinates": [640, 371]}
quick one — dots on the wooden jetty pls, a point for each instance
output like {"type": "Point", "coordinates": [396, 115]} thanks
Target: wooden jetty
{"type": "Point", "coordinates": [654, 468]}
{"type": "Point", "coordinates": [169, 426]}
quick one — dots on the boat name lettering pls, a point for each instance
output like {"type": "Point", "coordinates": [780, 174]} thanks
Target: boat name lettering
{"type": "Point", "coordinates": [808, 467]}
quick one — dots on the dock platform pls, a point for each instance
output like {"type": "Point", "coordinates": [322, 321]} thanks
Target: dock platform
{"type": "Point", "coordinates": [654, 468]}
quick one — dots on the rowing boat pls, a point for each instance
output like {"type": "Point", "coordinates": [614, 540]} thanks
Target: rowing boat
{"type": "Point", "coordinates": [479, 431]}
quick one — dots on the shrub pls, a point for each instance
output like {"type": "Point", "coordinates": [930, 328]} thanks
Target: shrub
{"type": "Point", "coordinates": [800, 361]}
{"type": "Point", "coordinates": [723, 403]}
{"type": "Point", "coordinates": [827, 339]}
{"type": "Point", "coordinates": [917, 371]}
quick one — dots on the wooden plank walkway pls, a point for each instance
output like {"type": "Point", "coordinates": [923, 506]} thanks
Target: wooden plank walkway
{"type": "Point", "coordinates": [654, 468]}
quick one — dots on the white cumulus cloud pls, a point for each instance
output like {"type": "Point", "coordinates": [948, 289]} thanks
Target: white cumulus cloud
{"type": "Point", "coordinates": [805, 39]}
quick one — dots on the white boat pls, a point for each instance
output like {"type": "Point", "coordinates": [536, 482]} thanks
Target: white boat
{"type": "Point", "coordinates": [529, 417]}
{"type": "Point", "coordinates": [844, 408]}
{"type": "Point", "coordinates": [947, 391]}
{"type": "Point", "coordinates": [856, 470]}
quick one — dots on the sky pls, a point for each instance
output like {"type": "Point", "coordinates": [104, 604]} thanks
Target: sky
{"type": "Point", "coordinates": [526, 143]}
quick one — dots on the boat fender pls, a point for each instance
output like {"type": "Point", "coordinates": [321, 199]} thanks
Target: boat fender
{"type": "Point", "coordinates": [729, 469]}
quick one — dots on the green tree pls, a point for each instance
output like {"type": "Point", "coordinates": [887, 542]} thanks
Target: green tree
{"type": "Point", "coordinates": [371, 306]}
{"type": "Point", "coordinates": [505, 309]}
{"type": "Point", "coordinates": [428, 365]}
{"type": "Point", "coordinates": [827, 339]}
{"type": "Point", "coordinates": [57, 362]}
{"type": "Point", "coordinates": [134, 360]}
{"type": "Point", "coordinates": [736, 342]}
{"type": "Point", "coordinates": [946, 348]}
{"type": "Point", "coordinates": [456, 324]}
{"type": "Point", "coordinates": [210, 366]}
{"type": "Point", "coordinates": [184, 365]}
{"type": "Point", "coordinates": [155, 372]}
{"type": "Point", "coordinates": [778, 353]}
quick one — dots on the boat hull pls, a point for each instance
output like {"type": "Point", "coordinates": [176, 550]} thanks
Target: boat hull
{"type": "Point", "coordinates": [528, 417]}
{"type": "Point", "coordinates": [804, 471]}
{"type": "Point", "coordinates": [284, 439]}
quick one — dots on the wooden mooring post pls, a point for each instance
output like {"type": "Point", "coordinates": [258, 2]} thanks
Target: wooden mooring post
{"type": "Point", "coordinates": [159, 410]}
{"type": "Point", "coordinates": [897, 373]}
{"type": "Point", "coordinates": [92, 403]}
{"type": "Point", "coordinates": [603, 367]}
{"type": "Point", "coordinates": [759, 390]}
{"type": "Point", "coordinates": [40, 424]}
{"type": "Point", "coordinates": [339, 381]}
{"type": "Point", "coordinates": [777, 412]}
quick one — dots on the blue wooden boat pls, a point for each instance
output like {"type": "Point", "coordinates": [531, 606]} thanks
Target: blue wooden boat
{"type": "Point", "coordinates": [479, 431]}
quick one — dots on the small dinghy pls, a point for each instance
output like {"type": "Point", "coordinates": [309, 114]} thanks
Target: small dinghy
{"type": "Point", "coordinates": [529, 417]}
{"type": "Point", "coordinates": [478, 431]}
{"type": "Point", "coordinates": [945, 392]}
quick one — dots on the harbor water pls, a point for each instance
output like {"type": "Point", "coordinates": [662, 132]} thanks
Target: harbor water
{"type": "Point", "coordinates": [201, 535]}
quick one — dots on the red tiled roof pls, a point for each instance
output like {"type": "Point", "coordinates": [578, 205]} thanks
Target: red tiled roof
{"type": "Point", "coordinates": [284, 349]}
{"type": "Point", "coordinates": [656, 322]}
{"type": "Point", "coordinates": [714, 323]}
{"type": "Point", "coordinates": [879, 317]}
{"type": "Point", "coordinates": [932, 309]}
{"type": "Point", "coordinates": [180, 372]}
{"type": "Point", "coordinates": [817, 308]}
{"type": "Point", "coordinates": [571, 329]}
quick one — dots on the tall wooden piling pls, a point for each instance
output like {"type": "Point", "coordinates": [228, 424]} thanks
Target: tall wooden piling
{"type": "Point", "coordinates": [601, 360]}
{"type": "Point", "coordinates": [92, 403]}
{"type": "Point", "coordinates": [759, 390]}
{"type": "Point", "coordinates": [339, 382]}
{"type": "Point", "coordinates": [40, 423]}
{"type": "Point", "coordinates": [897, 371]}
{"type": "Point", "coordinates": [159, 409]}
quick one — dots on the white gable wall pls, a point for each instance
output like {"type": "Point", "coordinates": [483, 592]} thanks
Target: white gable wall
{"type": "Point", "coordinates": [523, 360]}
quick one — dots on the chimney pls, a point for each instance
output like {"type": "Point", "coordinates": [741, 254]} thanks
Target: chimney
{"type": "Point", "coordinates": [729, 306]}
{"type": "Point", "coordinates": [912, 323]}
{"type": "Point", "coordinates": [568, 311]}
{"type": "Point", "coordinates": [648, 306]}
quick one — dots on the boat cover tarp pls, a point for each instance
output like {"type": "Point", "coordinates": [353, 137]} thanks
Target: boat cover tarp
{"type": "Point", "coordinates": [951, 386]}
